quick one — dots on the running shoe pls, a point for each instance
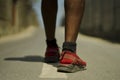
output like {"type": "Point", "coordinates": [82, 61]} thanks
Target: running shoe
{"type": "Point", "coordinates": [52, 55]}
{"type": "Point", "coordinates": [70, 62]}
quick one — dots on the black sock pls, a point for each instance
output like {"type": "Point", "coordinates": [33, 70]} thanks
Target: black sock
{"type": "Point", "coordinates": [71, 46]}
{"type": "Point", "coordinates": [51, 43]}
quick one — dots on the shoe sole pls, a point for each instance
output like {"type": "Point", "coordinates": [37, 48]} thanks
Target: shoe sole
{"type": "Point", "coordinates": [70, 68]}
{"type": "Point", "coordinates": [51, 59]}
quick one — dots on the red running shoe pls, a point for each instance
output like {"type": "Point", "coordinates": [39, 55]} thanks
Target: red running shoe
{"type": "Point", "coordinates": [52, 54]}
{"type": "Point", "coordinates": [70, 62]}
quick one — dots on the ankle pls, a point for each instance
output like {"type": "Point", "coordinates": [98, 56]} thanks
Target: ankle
{"type": "Point", "coordinates": [69, 46]}
{"type": "Point", "coordinates": [51, 43]}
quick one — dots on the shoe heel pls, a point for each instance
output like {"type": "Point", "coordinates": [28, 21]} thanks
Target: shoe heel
{"type": "Point", "coordinates": [51, 59]}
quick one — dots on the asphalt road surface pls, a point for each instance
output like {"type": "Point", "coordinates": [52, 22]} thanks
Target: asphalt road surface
{"type": "Point", "coordinates": [22, 58]}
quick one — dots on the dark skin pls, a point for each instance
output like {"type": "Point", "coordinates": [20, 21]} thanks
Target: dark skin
{"type": "Point", "coordinates": [73, 15]}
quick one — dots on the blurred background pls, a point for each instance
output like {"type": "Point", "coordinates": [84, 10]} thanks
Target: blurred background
{"type": "Point", "coordinates": [101, 18]}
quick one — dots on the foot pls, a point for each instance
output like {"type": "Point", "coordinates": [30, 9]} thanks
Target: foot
{"type": "Point", "coordinates": [52, 54]}
{"type": "Point", "coordinates": [70, 62]}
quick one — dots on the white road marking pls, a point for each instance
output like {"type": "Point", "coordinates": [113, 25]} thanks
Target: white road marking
{"type": "Point", "coordinates": [50, 71]}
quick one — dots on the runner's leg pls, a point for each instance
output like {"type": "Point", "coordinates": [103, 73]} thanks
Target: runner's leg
{"type": "Point", "coordinates": [73, 15]}
{"type": "Point", "coordinates": [49, 13]}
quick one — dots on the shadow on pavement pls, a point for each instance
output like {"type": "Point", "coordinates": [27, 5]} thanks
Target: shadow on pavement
{"type": "Point", "coordinates": [30, 58]}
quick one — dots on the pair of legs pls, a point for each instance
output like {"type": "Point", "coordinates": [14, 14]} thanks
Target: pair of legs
{"type": "Point", "coordinates": [69, 61]}
{"type": "Point", "coordinates": [73, 15]}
